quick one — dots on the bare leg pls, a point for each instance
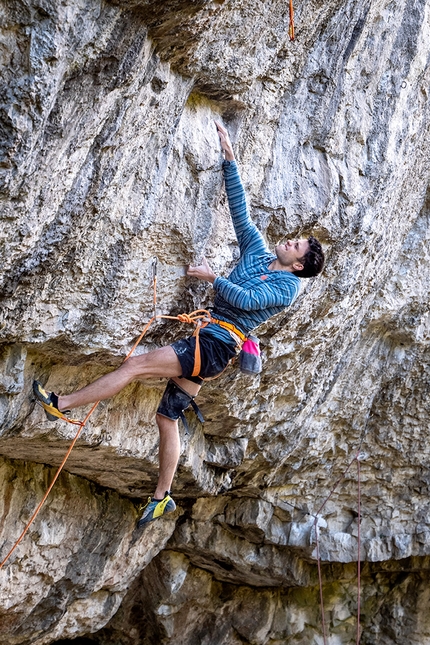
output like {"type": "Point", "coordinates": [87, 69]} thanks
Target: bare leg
{"type": "Point", "coordinates": [168, 454]}
{"type": "Point", "coordinates": [170, 447]}
{"type": "Point", "coordinates": [159, 363]}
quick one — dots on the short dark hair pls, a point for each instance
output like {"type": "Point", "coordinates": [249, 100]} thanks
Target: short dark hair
{"type": "Point", "coordinates": [313, 260]}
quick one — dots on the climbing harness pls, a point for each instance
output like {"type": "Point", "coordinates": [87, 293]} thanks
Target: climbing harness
{"type": "Point", "coordinates": [238, 336]}
{"type": "Point", "coordinates": [200, 318]}
{"type": "Point", "coordinates": [230, 328]}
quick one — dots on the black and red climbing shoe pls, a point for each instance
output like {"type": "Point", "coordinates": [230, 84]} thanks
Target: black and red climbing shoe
{"type": "Point", "coordinates": [48, 401]}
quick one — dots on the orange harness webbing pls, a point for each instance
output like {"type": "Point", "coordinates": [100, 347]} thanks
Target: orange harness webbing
{"type": "Point", "coordinates": [201, 324]}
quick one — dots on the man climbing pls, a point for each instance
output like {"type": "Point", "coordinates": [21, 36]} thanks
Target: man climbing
{"type": "Point", "coordinates": [261, 285]}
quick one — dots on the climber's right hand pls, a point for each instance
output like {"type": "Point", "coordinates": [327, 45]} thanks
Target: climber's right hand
{"type": "Point", "coordinates": [225, 142]}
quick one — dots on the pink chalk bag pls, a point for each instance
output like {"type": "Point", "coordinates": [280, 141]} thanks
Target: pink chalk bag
{"type": "Point", "coordinates": [249, 357]}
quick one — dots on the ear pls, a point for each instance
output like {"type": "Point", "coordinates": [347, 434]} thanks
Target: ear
{"type": "Point", "coordinates": [298, 266]}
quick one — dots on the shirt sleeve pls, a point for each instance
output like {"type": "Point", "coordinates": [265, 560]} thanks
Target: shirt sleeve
{"type": "Point", "coordinates": [249, 237]}
{"type": "Point", "coordinates": [261, 296]}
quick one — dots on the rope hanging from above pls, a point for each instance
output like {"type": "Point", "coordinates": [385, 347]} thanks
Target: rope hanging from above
{"type": "Point", "coordinates": [291, 27]}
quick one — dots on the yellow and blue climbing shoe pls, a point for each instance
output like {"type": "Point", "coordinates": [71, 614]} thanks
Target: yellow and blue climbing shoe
{"type": "Point", "coordinates": [48, 401]}
{"type": "Point", "coordinates": [155, 508]}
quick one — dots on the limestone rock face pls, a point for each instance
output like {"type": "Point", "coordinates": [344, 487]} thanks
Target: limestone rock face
{"type": "Point", "coordinates": [79, 555]}
{"type": "Point", "coordinates": [110, 158]}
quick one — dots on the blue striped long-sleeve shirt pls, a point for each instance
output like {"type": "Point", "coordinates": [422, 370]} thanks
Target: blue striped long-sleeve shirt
{"type": "Point", "coordinates": [252, 293]}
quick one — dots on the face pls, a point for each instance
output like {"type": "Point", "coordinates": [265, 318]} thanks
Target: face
{"type": "Point", "coordinates": [290, 253]}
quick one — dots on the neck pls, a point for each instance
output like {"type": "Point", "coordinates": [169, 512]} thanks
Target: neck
{"type": "Point", "coordinates": [277, 266]}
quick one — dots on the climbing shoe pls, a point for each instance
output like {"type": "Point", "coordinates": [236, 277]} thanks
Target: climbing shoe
{"type": "Point", "coordinates": [48, 401]}
{"type": "Point", "coordinates": [155, 508]}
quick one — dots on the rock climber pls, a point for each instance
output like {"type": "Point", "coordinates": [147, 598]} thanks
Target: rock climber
{"type": "Point", "coordinates": [261, 285]}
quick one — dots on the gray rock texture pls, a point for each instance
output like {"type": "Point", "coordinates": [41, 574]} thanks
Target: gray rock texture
{"type": "Point", "coordinates": [109, 158]}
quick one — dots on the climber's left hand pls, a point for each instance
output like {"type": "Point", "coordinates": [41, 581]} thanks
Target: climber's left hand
{"type": "Point", "coordinates": [202, 271]}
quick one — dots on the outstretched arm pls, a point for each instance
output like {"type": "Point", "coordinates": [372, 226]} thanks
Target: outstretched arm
{"type": "Point", "coordinates": [249, 237]}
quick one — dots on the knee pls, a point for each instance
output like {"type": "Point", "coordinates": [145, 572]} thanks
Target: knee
{"type": "Point", "coordinates": [133, 367]}
{"type": "Point", "coordinates": [166, 424]}
{"type": "Point", "coordinates": [174, 402]}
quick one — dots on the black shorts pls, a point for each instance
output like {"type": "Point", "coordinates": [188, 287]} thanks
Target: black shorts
{"type": "Point", "coordinates": [214, 352]}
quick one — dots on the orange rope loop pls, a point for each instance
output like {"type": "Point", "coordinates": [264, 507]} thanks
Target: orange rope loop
{"type": "Point", "coordinates": [185, 318]}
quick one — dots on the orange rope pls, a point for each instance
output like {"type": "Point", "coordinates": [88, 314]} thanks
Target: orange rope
{"type": "Point", "coordinates": [291, 27]}
{"type": "Point", "coordinates": [36, 512]}
{"type": "Point", "coordinates": [197, 355]}
{"type": "Point", "coordinates": [194, 317]}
